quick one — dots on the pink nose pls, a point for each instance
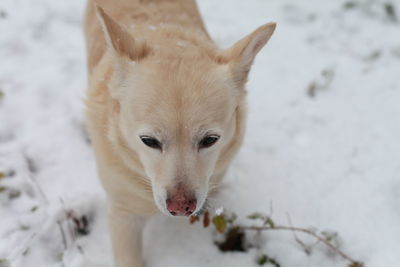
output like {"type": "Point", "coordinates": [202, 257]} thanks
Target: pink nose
{"type": "Point", "coordinates": [180, 205]}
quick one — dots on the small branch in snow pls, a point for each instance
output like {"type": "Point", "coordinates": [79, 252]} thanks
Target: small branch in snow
{"type": "Point", "coordinates": [234, 235]}
{"type": "Point", "coordinates": [307, 249]}
{"type": "Point", "coordinates": [309, 232]}
{"type": "Point", "coordinates": [32, 170]}
{"type": "Point", "coordinates": [63, 237]}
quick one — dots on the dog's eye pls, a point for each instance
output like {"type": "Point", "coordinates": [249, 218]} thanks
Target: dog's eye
{"type": "Point", "coordinates": [208, 141]}
{"type": "Point", "coordinates": [151, 142]}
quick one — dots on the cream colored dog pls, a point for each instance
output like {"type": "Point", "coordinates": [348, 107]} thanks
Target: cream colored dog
{"type": "Point", "coordinates": [165, 110]}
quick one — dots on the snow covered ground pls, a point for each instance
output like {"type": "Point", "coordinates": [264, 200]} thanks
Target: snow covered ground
{"type": "Point", "coordinates": [322, 140]}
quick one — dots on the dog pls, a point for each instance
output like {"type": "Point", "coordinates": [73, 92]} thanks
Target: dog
{"type": "Point", "coordinates": [166, 110]}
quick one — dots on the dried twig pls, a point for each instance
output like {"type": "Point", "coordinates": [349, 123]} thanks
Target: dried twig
{"type": "Point", "coordinates": [64, 239]}
{"type": "Point", "coordinates": [306, 231]}
{"type": "Point", "coordinates": [32, 169]}
{"type": "Point", "coordinates": [306, 248]}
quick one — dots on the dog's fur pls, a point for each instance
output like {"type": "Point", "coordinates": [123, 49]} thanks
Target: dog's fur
{"type": "Point", "coordinates": [153, 70]}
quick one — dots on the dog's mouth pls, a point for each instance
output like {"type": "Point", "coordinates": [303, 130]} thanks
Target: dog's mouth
{"type": "Point", "coordinates": [198, 212]}
{"type": "Point", "coordinates": [202, 209]}
{"type": "Point", "coordinates": [180, 202]}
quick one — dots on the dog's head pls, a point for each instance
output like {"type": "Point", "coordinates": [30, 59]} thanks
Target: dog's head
{"type": "Point", "coordinates": [180, 108]}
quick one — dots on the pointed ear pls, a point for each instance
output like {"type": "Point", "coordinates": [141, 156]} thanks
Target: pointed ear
{"type": "Point", "coordinates": [241, 55]}
{"type": "Point", "coordinates": [118, 40]}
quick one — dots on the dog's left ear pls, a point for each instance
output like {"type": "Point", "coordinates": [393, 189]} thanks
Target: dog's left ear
{"type": "Point", "coordinates": [241, 55]}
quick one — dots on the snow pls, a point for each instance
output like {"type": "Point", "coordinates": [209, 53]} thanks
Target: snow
{"type": "Point", "coordinates": [331, 160]}
{"type": "Point", "coordinates": [181, 43]}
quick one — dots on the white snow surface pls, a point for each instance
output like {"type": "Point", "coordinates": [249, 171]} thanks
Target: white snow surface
{"type": "Point", "coordinates": [331, 161]}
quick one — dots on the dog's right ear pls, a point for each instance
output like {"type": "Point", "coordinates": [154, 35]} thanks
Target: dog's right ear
{"type": "Point", "coordinates": [119, 41]}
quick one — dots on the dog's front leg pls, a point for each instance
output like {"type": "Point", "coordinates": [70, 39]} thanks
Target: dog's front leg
{"type": "Point", "coordinates": [126, 237]}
